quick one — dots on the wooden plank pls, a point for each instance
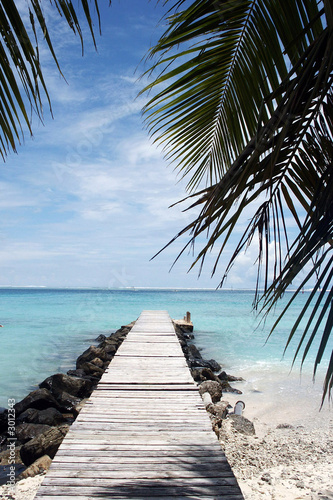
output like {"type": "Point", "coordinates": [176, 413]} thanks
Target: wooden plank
{"type": "Point", "coordinates": [70, 495]}
{"type": "Point", "coordinates": [141, 424]}
{"type": "Point", "coordinates": [139, 459]}
{"type": "Point", "coordinates": [165, 449]}
{"type": "Point", "coordinates": [138, 491]}
{"type": "Point", "coordinates": [101, 461]}
{"type": "Point", "coordinates": [95, 462]}
{"type": "Point", "coordinates": [102, 420]}
{"type": "Point", "coordinates": [160, 482]}
{"type": "Point", "coordinates": [148, 472]}
{"type": "Point", "coordinates": [154, 439]}
{"type": "Point", "coordinates": [155, 392]}
{"type": "Point", "coordinates": [144, 432]}
{"type": "Point", "coordinates": [148, 450]}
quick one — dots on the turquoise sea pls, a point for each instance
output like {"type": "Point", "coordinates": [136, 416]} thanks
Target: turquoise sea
{"type": "Point", "coordinates": [44, 330]}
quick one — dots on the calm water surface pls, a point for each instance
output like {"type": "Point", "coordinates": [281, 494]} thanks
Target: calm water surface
{"type": "Point", "coordinates": [44, 330]}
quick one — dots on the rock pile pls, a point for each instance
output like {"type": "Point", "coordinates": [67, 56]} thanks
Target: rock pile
{"type": "Point", "coordinates": [213, 382]}
{"type": "Point", "coordinates": [43, 417]}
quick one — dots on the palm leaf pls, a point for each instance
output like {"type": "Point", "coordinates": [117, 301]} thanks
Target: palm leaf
{"type": "Point", "coordinates": [20, 65]}
{"type": "Point", "coordinates": [248, 107]}
{"type": "Point", "coordinates": [220, 87]}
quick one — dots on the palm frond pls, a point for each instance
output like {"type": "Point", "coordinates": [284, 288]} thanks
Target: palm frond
{"type": "Point", "coordinates": [249, 106]}
{"type": "Point", "coordinates": [20, 64]}
{"type": "Point", "coordinates": [226, 79]}
{"type": "Point", "coordinates": [314, 244]}
{"type": "Point", "coordinates": [312, 247]}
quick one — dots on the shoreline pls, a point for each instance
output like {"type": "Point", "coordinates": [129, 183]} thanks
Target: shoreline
{"type": "Point", "coordinates": [289, 457]}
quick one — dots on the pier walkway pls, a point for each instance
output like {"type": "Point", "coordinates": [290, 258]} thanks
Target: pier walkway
{"type": "Point", "coordinates": [144, 432]}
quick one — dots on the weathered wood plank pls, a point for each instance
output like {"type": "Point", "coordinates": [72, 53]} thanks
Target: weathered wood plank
{"type": "Point", "coordinates": [83, 462]}
{"type": "Point", "coordinates": [69, 495]}
{"type": "Point", "coordinates": [155, 439]}
{"type": "Point", "coordinates": [138, 491]}
{"type": "Point", "coordinates": [159, 482]}
{"type": "Point", "coordinates": [149, 385]}
{"type": "Point", "coordinates": [150, 449]}
{"type": "Point", "coordinates": [66, 455]}
{"type": "Point", "coordinates": [126, 473]}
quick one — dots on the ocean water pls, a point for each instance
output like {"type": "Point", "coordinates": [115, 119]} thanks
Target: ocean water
{"type": "Point", "coordinates": [45, 330]}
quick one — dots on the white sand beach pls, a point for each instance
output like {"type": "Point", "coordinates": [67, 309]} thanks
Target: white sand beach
{"type": "Point", "coordinates": [291, 455]}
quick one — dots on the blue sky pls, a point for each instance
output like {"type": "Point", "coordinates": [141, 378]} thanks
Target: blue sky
{"type": "Point", "coordinates": [85, 201]}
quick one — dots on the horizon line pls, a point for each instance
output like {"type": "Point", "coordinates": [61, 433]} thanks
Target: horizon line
{"type": "Point", "coordinates": [135, 288]}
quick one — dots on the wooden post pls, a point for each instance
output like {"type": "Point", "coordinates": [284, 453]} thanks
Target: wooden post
{"type": "Point", "coordinates": [188, 317]}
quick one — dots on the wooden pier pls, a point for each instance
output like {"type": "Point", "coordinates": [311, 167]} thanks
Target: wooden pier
{"type": "Point", "coordinates": [144, 432]}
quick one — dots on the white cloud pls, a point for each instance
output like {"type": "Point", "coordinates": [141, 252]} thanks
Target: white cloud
{"type": "Point", "coordinates": [101, 211]}
{"type": "Point", "coordinates": [31, 251]}
{"type": "Point", "coordinates": [13, 196]}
